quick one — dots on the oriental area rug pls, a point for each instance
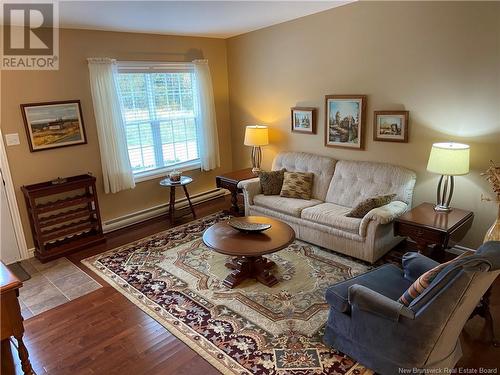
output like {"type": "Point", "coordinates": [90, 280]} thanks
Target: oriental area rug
{"type": "Point", "coordinates": [251, 329]}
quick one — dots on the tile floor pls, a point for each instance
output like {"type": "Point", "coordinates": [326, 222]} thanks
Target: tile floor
{"type": "Point", "coordinates": [52, 284]}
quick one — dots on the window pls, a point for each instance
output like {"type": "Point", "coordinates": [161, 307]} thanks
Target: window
{"type": "Point", "coordinates": [158, 106]}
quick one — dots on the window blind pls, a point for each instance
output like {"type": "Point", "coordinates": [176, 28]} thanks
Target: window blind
{"type": "Point", "coordinates": [158, 105]}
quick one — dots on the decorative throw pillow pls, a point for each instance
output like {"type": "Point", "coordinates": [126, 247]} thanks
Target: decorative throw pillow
{"type": "Point", "coordinates": [297, 185]}
{"type": "Point", "coordinates": [369, 204]}
{"type": "Point", "coordinates": [423, 282]}
{"type": "Point", "coordinates": [271, 182]}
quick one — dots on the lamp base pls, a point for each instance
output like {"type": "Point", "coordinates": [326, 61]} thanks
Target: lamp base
{"type": "Point", "coordinates": [256, 159]}
{"type": "Point", "coordinates": [439, 208]}
{"type": "Point", "coordinates": [444, 194]}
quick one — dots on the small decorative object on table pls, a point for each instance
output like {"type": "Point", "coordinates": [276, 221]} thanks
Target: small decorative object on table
{"type": "Point", "coordinates": [493, 177]}
{"type": "Point", "coordinates": [304, 120]}
{"type": "Point", "coordinates": [447, 159]}
{"type": "Point", "coordinates": [248, 227]}
{"type": "Point", "coordinates": [58, 180]}
{"type": "Point", "coordinates": [256, 136]}
{"type": "Point", "coordinates": [175, 176]}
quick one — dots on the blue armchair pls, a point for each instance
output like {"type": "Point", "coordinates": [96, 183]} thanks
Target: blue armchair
{"type": "Point", "coordinates": [367, 322]}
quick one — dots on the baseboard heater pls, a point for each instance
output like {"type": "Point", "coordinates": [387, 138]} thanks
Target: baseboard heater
{"type": "Point", "coordinates": [152, 212]}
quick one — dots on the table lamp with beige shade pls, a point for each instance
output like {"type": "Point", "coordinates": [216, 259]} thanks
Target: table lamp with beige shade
{"type": "Point", "coordinates": [256, 136]}
{"type": "Point", "coordinates": [448, 159]}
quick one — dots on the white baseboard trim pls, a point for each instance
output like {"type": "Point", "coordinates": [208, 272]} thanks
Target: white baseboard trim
{"type": "Point", "coordinates": [31, 253]}
{"type": "Point", "coordinates": [152, 212]}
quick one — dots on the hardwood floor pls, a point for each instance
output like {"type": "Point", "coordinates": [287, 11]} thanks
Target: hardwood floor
{"type": "Point", "coordinates": [103, 333]}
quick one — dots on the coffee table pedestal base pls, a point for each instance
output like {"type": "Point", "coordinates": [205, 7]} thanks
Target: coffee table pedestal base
{"type": "Point", "coordinates": [250, 268]}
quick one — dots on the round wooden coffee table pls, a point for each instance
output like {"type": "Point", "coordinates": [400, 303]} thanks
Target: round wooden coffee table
{"type": "Point", "coordinates": [248, 249]}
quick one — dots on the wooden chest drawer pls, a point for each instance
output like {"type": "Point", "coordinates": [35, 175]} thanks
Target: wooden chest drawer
{"type": "Point", "coordinates": [418, 233]}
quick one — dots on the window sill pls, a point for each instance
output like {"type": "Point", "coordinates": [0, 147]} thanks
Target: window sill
{"type": "Point", "coordinates": [163, 172]}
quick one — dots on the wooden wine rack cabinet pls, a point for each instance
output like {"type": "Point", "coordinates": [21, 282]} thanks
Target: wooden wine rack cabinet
{"type": "Point", "coordinates": [64, 217]}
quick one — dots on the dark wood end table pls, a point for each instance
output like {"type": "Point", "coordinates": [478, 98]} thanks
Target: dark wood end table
{"type": "Point", "coordinates": [185, 180]}
{"type": "Point", "coordinates": [12, 323]}
{"type": "Point", "coordinates": [428, 227]}
{"type": "Point", "coordinates": [230, 182]}
{"type": "Point", "coordinates": [248, 249]}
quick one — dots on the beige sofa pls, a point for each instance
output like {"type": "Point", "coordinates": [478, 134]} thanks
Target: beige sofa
{"type": "Point", "coordinates": [337, 187]}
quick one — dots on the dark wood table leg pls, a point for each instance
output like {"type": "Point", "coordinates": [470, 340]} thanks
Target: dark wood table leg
{"type": "Point", "coordinates": [7, 360]}
{"type": "Point", "coordinates": [422, 246]}
{"type": "Point", "coordinates": [250, 268]}
{"type": "Point", "coordinates": [171, 205]}
{"type": "Point", "coordinates": [189, 200]}
{"type": "Point", "coordinates": [23, 356]}
{"type": "Point", "coordinates": [234, 202]}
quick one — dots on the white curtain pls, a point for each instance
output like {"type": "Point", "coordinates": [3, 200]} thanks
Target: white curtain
{"type": "Point", "coordinates": [115, 162]}
{"type": "Point", "coordinates": [208, 139]}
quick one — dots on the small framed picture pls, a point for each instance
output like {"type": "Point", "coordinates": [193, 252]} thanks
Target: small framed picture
{"type": "Point", "coordinates": [53, 124]}
{"type": "Point", "coordinates": [390, 126]}
{"type": "Point", "coordinates": [345, 121]}
{"type": "Point", "coordinates": [304, 120]}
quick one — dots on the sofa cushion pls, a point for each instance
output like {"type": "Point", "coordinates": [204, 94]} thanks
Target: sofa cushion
{"type": "Point", "coordinates": [332, 215]}
{"type": "Point", "coordinates": [271, 182]}
{"type": "Point", "coordinates": [287, 206]}
{"type": "Point", "coordinates": [355, 181]}
{"type": "Point", "coordinates": [297, 185]}
{"type": "Point", "coordinates": [363, 207]}
{"type": "Point", "coordinates": [321, 166]}
{"type": "Point", "coordinates": [387, 280]}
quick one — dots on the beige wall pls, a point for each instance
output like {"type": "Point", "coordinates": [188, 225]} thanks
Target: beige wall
{"type": "Point", "coordinates": [440, 61]}
{"type": "Point", "coordinates": [71, 81]}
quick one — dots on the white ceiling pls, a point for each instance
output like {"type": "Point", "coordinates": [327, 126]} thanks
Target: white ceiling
{"type": "Point", "coordinates": [219, 19]}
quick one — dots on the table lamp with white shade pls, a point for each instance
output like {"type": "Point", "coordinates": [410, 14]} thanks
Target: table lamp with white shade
{"type": "Point", "coordinates": [256, 136]}
{"type": "Point", "coordinates": [448, 159]}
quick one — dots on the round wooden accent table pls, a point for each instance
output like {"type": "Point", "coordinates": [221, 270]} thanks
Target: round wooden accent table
{"type": "Point", "coordinates": [167, 182]}
{"type": "Point", "coordinates": [248, 248]}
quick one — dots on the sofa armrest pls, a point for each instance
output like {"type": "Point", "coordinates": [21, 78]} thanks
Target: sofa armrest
{"type": "Point", "coordinates": [415, 264]}
{"type": "Point", "coordinates": [367, 300]}
{"type": "Point", "coordinates": [387, 213]}
{"type": "Point", "coordinates": [250, 189]}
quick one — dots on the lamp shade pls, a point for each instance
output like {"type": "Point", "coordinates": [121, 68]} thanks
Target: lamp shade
{"type": "Point", "coordinates": [256, 135]}
{"type": "Point", "coordinates": [449, 159]}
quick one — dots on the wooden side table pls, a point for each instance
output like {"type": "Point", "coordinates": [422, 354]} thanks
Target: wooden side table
{"type": "Point", "coordinates": [230, 182]}
{"type": "Point", "coordinates": [12, 322]}
{"type": "Point", "coordinates": [184, 181]}
{"type": "Point", "coordinates": [428, 227]}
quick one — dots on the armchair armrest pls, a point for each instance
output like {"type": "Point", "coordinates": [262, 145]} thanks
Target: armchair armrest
{"type": "Point", "coordinates": [415, 264]}
{"type": "Point", "coordinates": [367, 300]}
{"type": "Point", "coordinates": [387, 213]}
{"type": "Point", "coordinates": [250, 189]}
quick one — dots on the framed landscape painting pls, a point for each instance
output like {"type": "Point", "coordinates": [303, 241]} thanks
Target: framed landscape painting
{"type": "Point", "coordinates": [345, 121]}
{"type": "Point", "coordinates": [390, 126]}
{"type": "Point", "coordinates": [54, 124]}
{"type": "Point", "coordinates": [304, 120]}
